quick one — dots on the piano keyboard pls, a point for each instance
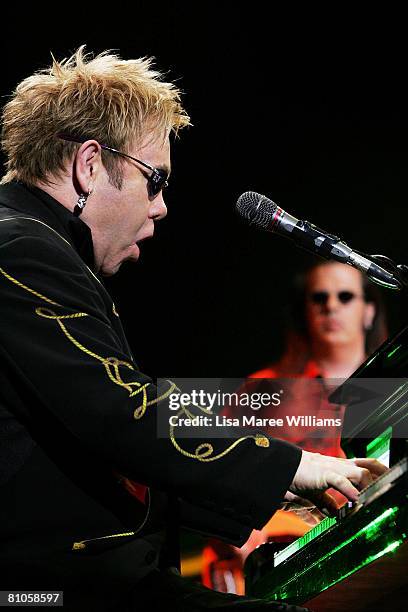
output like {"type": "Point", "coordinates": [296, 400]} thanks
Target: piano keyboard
{"type": "Point", "coordinates": [366, 495]}
{"type": "Point", "coordinates": [361, 533]}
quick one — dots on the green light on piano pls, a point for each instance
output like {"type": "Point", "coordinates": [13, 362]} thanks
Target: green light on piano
{"type": "Point", "coordinates": [380, 447]}
{"type": "Point", "coordinates": [388, 549]}
{"type": "Point", "coordinates": [323, 526]}
{"type": "Point", "coordinates": [397, 348]}
{"type": "Point", "coordinates": [372, 528]}
{"type": "Point", "coordinates": [369, 531]}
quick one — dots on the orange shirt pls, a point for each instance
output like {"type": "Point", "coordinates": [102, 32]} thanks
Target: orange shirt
{"type": "Point", "coordinates": [304, 395]}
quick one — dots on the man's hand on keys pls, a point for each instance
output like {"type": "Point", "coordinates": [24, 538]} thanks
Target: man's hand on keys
{"type": "Point", "coordinates": [317, 473]}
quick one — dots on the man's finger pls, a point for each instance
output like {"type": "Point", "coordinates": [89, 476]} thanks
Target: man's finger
{"type": "Point", "coordinates": [376, 468]}
{"type": "Point", "coordinates": [342, 484]}
{"type": "Point", "coordinates": [361, 477]}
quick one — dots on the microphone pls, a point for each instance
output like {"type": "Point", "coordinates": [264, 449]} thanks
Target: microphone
{"type": "Point", "coordinates": [265, 214]}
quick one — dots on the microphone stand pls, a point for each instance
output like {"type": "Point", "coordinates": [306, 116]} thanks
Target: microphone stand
{"type": "Point", "coordinates": [400, 271]}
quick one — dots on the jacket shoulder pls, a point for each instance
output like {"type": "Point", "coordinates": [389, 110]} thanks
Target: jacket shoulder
{"type": "Point", "coordinates": [33, 252]}
{"type": "Point", "coordinates": [15, 225]}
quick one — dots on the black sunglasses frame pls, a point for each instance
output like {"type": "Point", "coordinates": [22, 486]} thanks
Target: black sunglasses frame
{"type": "Point", "coordinates": [157, 181]}
{"type": "Point", "coordinates": [320, 298]}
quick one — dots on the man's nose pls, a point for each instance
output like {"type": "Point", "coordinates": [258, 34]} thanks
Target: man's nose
{"type": "Point", "coordinates": [158, 208]}
{"type": "Point", "coordinates": [332, 303]}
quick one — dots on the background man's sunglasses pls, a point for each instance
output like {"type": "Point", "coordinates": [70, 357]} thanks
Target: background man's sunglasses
{"type": "Point", "coordinates": [322, 297]}
{"type": "Point", "coordinates": [158, 179]}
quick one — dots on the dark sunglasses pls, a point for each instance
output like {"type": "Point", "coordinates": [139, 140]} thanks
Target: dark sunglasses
{"type": "Point", "coordinates": [322, 297]}
{"type": "Point", "coordinates": [156, 181]}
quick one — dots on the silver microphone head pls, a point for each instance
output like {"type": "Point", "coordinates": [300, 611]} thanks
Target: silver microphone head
{"type": "Point", "coordinates": [256, 208]}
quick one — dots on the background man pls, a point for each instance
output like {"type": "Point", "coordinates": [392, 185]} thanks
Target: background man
{"type": "Point", "coordinates": [336, 320]}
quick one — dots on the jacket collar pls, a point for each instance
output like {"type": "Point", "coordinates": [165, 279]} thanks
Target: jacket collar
{"type": "Point", "coordinates": [36, 203]}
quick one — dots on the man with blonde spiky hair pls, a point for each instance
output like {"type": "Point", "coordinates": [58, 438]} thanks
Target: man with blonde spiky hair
{"type": "Point", "coordinates": [88, 490]}
{"type": "Point", "coordinates": [93, 103]}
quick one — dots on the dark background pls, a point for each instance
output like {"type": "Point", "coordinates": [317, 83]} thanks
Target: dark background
{"type": "Point", "coordinates": [309, 108]}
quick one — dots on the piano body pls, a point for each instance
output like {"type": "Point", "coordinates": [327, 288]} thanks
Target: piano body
{"type": "Point", "coordinates": [359, 559]}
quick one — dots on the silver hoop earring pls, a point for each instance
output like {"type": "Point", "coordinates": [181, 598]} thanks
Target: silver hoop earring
{"type": "Point", "coordinates": [80, 205]}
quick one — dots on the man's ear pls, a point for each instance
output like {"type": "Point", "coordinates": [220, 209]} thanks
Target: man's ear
{"type": "Point", "coordinates": [87, 164]}
{"type": "Point", "coordinates": [369, 314]}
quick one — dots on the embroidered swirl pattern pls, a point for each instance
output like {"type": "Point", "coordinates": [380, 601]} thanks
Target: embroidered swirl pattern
{"type": "Point", "coordinates": [204, 452]}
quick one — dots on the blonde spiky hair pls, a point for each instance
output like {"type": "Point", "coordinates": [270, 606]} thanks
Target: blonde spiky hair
{"type": "Point", "coordinates": [105, 98]}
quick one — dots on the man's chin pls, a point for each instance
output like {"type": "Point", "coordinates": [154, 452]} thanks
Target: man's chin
{"type": "Point", "coordinates": [334, 338]}
{"type": "Point", "coordinates": [110, 268]}
{"type": "Point", "coordinates": [106, 273]}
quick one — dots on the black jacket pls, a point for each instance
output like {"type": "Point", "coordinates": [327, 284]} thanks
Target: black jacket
{"type": "Point", "coordinates": [77, 416]}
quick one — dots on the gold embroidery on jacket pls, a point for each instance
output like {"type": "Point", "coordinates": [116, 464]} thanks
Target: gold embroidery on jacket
{"type": "Point", "coordinates": [111, 364]}
{"type": "Point", "coordinates": [16, 282]}
{"type": "Point", "coordinates": [139, 412]}
{"type": "Point", "coordinates": [84, 543]}
{"type": "Point", "coordinates": [203, 452]}
{"type": "Point", "coordinates": [50, 314]}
